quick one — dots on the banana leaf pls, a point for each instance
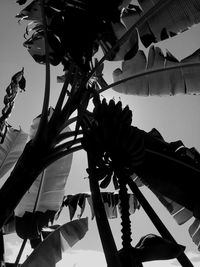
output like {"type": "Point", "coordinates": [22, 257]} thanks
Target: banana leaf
{"type": "Point", "coordinates": [194, 231]}
{"type": "Point", "coordinates": [49, 252]}
{"type": "Point", "coordinates": [11, 149]}
{"type": "Point", "coordinates": [44, 198]}
{"type": "Point", "coordinates": [159, 74]}
{"type": "Point", "coordinates": [172, 171]}
{"type": "Point", "coordinates": [152, 247]}
{"type": "Point", "coordinates": [161, 19]}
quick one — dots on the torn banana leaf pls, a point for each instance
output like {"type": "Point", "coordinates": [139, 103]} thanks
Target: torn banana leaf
{"type": "Point", "coordinates": [159, 74]}
{"type": "Point", "coordinates": [77, 204]}
{"type": "Point", "coordinates": [161, 19]}
{"type": "Point", "coordinates": [171, 171]}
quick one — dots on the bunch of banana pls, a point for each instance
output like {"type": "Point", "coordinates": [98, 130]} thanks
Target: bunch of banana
{"type": "Point", "coordinates": [115, 145]}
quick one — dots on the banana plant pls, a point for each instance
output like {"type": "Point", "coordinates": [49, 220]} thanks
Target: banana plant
{"type": "Point", "coordinates": [54, 38]}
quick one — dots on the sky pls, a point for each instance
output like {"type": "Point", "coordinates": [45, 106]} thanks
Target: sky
{"type": "Point", "coordinates": [175, 117]}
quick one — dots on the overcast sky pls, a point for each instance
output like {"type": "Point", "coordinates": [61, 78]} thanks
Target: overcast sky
{"type": "Point", "coordinates": [175, 117]}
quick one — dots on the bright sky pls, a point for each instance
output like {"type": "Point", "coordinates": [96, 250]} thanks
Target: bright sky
{"type": "Point", "coordinates": [175, 117]}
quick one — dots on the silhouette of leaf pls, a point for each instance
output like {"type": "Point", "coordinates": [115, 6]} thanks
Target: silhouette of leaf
{"type": "Point", "coordinates": [152, 247]}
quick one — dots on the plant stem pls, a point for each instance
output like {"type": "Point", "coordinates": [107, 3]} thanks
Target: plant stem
{"type": "Point", "coordinates": [182, 258]}
{"type": "Point", "coordinates": [61, 137]}
{"type": "Point", "coordinates": [2, 262]}
{"type": "Point", "coordinates": [125, 220]}
{"type": "Point", "coordinates": [57, 111]}
{"type": "Point", "coordinates": [20, 252]}
{"type": "Point", "coordinates": [67, 145]}
{"type": "Point", "coordinates": [105, 233]}
{"type": "Point", "coordinates": [44, 115]}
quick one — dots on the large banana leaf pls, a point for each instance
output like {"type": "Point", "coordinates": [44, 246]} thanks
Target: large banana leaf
{"type": "Point", "coordinates": [49, 252]}
{"type": "Point", "coordinates": [11, 149]}
{"type": "Point", "coordinates": [172, 172]}
{"type": "Point", "coordinates": [159, 74]}
{"type": "Point", "coordinates": [45, 196]}
{"type": "Point", "coordinates": [161, 19]}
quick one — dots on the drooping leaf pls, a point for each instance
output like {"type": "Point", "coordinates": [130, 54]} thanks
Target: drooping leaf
{"type": "Point", "coordinates": [110, 200]}
{"type": "Point", "coordinates": [179, 213]}
{"type": "Point", "coordinates": [36, 47]}
{"type": "Point", "coordinates": [49, 252]}
{"type": "Point", "coordinates": [152, 247]}
{"type": "Point", "coordinates": [11, 149]}
{"type": "Point", "coordinates": [17, 82]}
{"type": "Point", "coordinates": [194, 231]}
{"type": "Point", "coordinates": [72, 202]}
{"type": "Point", "coordinates": [142, 74]}
{"type": "Point", "coordinates": [159, 20]}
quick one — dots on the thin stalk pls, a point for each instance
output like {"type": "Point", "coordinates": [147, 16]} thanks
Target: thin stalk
{"type": "Point", "coordinates": [61, 98]}
{"type": "Point", "coordinates": [59, 154]}
{"type": "Point", "coordinates": [44, 115]}
{"type": "Point", "coordinates": [67, 123]}
{"type": "Point", "coordinates": [71, 100]}
{"type": "Point", "coordinates": [34, 210]}
{"type": "Point", "coordinates": [20, 252]}
{"type": "Point", "coordinates": [64, 89]}
{"type": "Point", "coordinates": [149, 72]}
{"type": "Point", "coordinates": [105, 233]}
{"type": "Point", "coordinates": [39, 192]}
{"type": "Point", "coordinates": [182, 258]}
{"type": "Point", "coordinates": [2, 260]}
{"type": "Point", "coordinates": [122, 40]}
{"type": "Point", "coordinates": [67, 144]}
{"type": "Point", "coordinates": [63, 136]}
{"type": "Point", "coordinates": [102, 82]}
